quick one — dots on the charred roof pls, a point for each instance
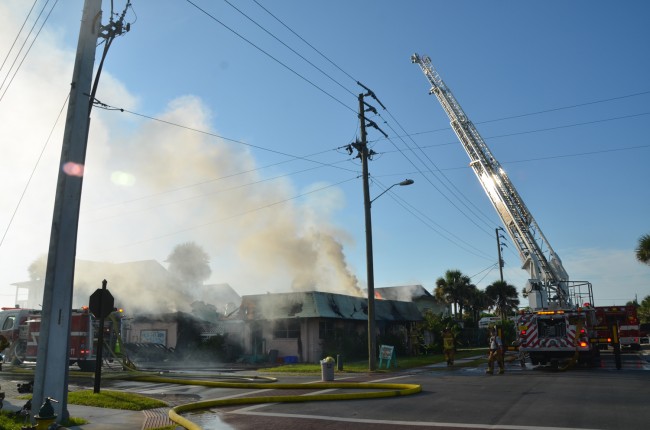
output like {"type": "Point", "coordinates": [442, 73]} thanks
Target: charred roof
{"type": "Point", "coordinates": [317, 304]}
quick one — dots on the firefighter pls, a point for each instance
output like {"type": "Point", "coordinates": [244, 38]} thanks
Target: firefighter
{"type": "Point", "coordinates": [496, 352]}
{"type": "Point", "coordinates": [448, 345]}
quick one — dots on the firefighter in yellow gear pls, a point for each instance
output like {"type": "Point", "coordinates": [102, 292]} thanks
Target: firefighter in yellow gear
{"type": "Point", "coordinates": [496, 353]}
{"type": "Point", "coordinates": [448, 345]}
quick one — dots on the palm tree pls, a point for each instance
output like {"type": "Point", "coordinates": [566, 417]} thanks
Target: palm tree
{"type": "Point", "coordinates": [478, 302]}
{"type": "Point", "coordinates": [454, 289]}
{"type": "Point", "coordinates": [504, 298]}
{"type": "Point", "coordinates": [643, 249]}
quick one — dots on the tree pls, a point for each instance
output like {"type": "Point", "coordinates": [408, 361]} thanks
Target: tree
{"type": "Point", "coordinates": [643, 249]}
{"type": "Point", "coordinates": [477, 302]}
{"type": "Point", "coordinates": [454, 289]}
{"type": "Point", "coordinates": [189, 263]}
{"type": "Point", "coordinates": [643, 311]}
{"type": "Point", "coordinates": [505, 300]}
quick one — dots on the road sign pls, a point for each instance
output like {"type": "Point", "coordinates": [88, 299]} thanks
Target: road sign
{"type": "Point", "coordinates": [101, 302]}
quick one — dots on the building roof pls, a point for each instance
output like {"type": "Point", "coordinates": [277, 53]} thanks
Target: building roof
{"type": "Point", "coordinates": [404, 293]}
{"type": "Point", "coordinates": [317, 304]}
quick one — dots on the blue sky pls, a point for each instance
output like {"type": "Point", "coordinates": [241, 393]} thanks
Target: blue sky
{"type": "Point", "coordinates": [559, 91]}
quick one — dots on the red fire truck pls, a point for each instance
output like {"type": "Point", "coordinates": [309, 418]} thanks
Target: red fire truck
{"type": "Point", "coordinates": [626, 321]}
{"type": "Point", "coordinates": [25, 332]}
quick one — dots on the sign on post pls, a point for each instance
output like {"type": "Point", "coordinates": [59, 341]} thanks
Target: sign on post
{"type": "Point", "coordinates": [101, 302]}
{"type": "Point", "coordinates": [387, 352]}
{"type": "Point", "coordinates": [101, 305]}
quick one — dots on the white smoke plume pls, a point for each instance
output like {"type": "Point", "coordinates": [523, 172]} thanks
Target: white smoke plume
{"type": "Point", "coordinates": [149, 186]}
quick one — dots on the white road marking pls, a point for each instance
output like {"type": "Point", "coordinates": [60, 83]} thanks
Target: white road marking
{"type": "Point", "coordinates": [404, 423]}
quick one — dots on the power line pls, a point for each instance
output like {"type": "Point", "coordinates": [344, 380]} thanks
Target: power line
{"type": "Point", "coordinates": [433, 225]}
{"type": "Point", "coordinates": [18, 35]}
{"type": "Point", "coordinates": [239, 214]}
{"type": "Point", "coordinates": [31, 175]}
{"type": "Point", "coordinates": [207, 133]}
{"type": "Point", "coordinates": [578, 124]}
{"type": "Point", "coordinates": [271, 56]}
{"type": "Point", "coordinates": [28, 49]}
{"type": "Point", "coordinates": [288, 47]}
{"type": "Point", "coordinates": [305, 41]}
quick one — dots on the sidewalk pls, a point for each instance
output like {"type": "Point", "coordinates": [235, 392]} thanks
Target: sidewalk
{"type": "Point", "coordinates": [107, 419]}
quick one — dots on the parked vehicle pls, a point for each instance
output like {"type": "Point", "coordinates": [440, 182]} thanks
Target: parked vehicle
{"type": "Point", "coordinates": [22, 328]}
{"type": "Point", "coordinates": [626, 321]}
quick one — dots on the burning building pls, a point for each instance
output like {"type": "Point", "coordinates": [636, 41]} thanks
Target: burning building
{"type": "Point", "coordinates": [296, 326]}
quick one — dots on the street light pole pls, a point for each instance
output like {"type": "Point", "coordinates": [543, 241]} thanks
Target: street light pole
{"type": "Point", "coordinates": [363, 148]}
{"type": "Point", "coordinates": [364, 154]}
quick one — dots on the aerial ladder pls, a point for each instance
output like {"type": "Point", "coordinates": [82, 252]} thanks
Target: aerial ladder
{"type": "Point", "coordinates": [551, 331]}
{"type": "Point", "coordinates": [549, 281]}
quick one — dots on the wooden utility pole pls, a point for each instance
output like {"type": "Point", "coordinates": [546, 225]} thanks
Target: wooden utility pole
{"type": "Point", "coordinates": [51, 376]}
{"type": "Point", "coordinates": [365, 154]}
{"type": "Point", "coordinates": [363, 151]}
{"type": "Point", "coordinates": [499, 250]}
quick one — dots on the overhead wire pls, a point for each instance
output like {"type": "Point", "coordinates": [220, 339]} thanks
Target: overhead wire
{"type": "Point", "coordinates": [242, 213]}
{"type": "Point", "coordinates": [456, 192]}
{"type": "Point", "coordinates": [31, 175]}
{"type": "Point", "coordinates": [209, 15]}
{"type": "Point", "coordinates": [434, 226]}
{"type": "Point", "coordinates": [11, 48]}
{"type": "Point", "coordinates": [28, 49]}
{"type": "Point", "coordinates": [261, 148]}
{"type": "Point", "coordinates": [290, 48]}
{"type": "Point", "coordinates": [305, 41]}
{"type": "Point", "coordinates": [198, 196]}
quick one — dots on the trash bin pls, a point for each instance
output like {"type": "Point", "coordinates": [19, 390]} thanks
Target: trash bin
{"type": "Point", "coordinates": [327, 369]}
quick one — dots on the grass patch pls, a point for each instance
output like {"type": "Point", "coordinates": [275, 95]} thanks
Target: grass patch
{"type": "Point", "coordinates": [114, 400]}
{"type": "Point", "coordinates": [103, 399]}
{"type": "Point", "coordinates": [402, 363]}
{"type": "Point", "coordinates": [11, 421]}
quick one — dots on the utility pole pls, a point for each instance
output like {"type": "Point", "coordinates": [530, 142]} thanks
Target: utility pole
{"type": "Point", "coordinates": [499, 245]}
{"type": "Point", "coordinates": [364, 154]}
{"type": "Point", "coordinates": [51, 376]}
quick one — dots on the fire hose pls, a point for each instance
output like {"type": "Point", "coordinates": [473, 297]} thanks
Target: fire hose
{"type": "Point", "coordinates": [387, 390]}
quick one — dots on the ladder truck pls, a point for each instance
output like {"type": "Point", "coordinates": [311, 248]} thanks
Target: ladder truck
{"type": "Point", "coordinates": [558, 327]}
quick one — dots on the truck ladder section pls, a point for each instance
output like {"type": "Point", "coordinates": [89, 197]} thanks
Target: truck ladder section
{"type": "Point", "coordinates": [542, 263]}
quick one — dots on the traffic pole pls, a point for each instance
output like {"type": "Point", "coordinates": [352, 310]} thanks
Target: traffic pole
{"type": "Point", "coordinates": [51, 375]}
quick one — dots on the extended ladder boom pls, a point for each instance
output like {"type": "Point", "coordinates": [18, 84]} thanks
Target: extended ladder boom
{"type": "Point", "coordinates": [542, 263]}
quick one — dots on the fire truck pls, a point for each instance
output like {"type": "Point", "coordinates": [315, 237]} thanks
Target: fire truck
{"type": "Point", "coordinates": [24, 331]}
{"type": "Point", "coordinates": [626, 321]}
{"type": "Point", "coordinates": [561, 317]}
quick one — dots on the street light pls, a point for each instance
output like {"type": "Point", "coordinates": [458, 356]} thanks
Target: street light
{"type": "Point", "coordinates": [372, 347]}
{"type": "Point", "coordinates": [401, 184]}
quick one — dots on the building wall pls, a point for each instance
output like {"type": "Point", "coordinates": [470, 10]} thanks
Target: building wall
{"type": "Point", "coordinates": [307, 348]}
{"type": "Point", "coordinates": [149, 332]}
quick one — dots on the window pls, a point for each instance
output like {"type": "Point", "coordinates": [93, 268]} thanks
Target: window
{"type": "Point", "coordinates": [325, 329]}
{"type": "Point", "coordinates": [9, 323]}
{"type": "Point", "coordinates": [552, 327]}
{"type": "Point", "coordinates": [286, 329]}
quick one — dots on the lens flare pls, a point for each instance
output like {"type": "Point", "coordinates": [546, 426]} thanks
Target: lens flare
{"type": "Point", "coordinates": [73, 169]}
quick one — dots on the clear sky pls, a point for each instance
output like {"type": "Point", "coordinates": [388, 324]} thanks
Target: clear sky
{"type": "Point", "coordinates": [253, 109]}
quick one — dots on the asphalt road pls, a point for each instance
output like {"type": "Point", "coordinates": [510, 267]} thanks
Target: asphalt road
{"type": "Point", "coordinates": [534, 398]}
{"type": "Point", "coordinates": [461, 398]}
